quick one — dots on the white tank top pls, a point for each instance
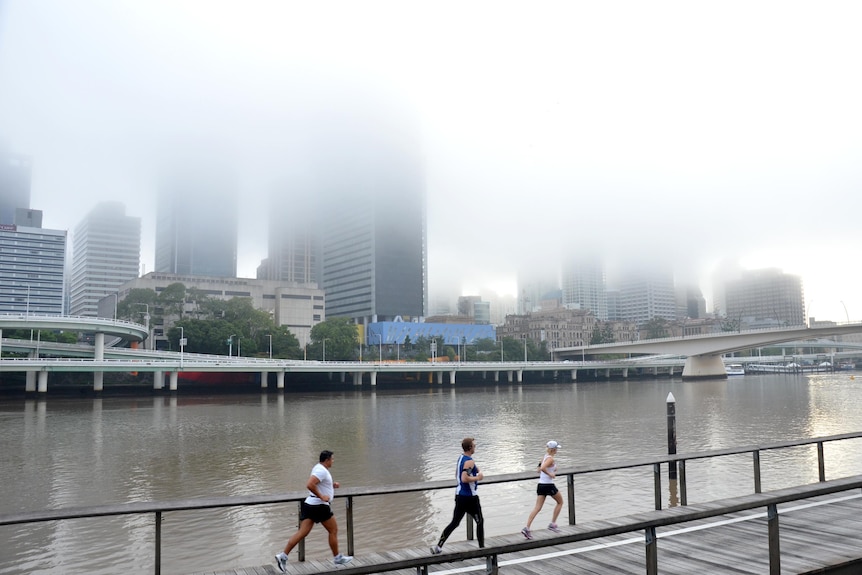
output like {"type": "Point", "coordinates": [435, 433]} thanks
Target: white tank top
{"type": "Point", "coordinates": [544, 477]}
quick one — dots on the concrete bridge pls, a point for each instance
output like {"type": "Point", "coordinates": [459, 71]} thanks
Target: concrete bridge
{"type": "Point", "coordinates": [704, 352]}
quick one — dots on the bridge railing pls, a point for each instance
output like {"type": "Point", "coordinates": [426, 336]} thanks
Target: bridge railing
{"type": "Point", "coordinates": [157, 508]}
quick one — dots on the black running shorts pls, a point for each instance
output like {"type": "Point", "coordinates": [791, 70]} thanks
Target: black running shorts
{"type": "Point", "coordinates": [548, 489]}
{"type": "Point", "coordinates": [317, 513]}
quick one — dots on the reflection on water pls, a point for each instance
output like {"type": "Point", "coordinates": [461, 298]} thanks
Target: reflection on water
{"type": "Point", "coordinates": [77, 452]}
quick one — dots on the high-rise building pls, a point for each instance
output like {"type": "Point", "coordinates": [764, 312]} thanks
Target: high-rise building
{"type": "Point", "coordinates": [106, 253]}
{"type": "Point", "coordinates": [32, 262]}
{"type": "Point", "coordinates": [14, 186]}
{"type": "Point", "coordinates": [584, 286]}
{"type": "Point", "coordinates": [197, 223]}
{"type": "Point", "coordinates": [292, 242]}
{"type": "Point", "coordinates": [647, 294]}
{"type": "Point", "coordinates": [765, 297]}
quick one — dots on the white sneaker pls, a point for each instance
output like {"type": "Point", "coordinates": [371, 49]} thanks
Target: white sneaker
{"type": "Point", "coordinates": [342, 559]}
{"type": "Point", "coordinates": [281, 562]}
{"type": "Point", "coordinates": [436, 550]}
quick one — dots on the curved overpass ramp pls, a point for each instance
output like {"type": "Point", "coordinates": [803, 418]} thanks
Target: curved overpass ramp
{"type": "Point", "coordinates": [113, 327]}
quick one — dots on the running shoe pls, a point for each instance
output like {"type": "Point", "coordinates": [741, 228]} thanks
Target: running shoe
{"type": "Point", "coordinates": [342, 559]}
{"type": "Point", "coordinates": [527, 533]}
{"type": "Point", "coordinates": [281, 562]}
{"type": "Point", "coordinates": [555, 528]}
{"type": "Point", "coordinates": [436, 550]}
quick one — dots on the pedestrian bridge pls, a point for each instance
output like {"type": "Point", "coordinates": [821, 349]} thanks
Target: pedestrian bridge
{"type": "Point", "coordinates": [704, 352]}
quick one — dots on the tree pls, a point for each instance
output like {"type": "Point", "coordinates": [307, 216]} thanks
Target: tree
{"type": "Point", "coordinates": [341, 339]}
{"type": "Point", "coordinates": [602, 333]}
{"type": "Point", "coordinates": [656, 328]}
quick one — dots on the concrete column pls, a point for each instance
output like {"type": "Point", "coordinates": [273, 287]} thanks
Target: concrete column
{"type": "Point", "coordinates": [158, 380]}
{"type": "Point", "coordinates": [279, 380]}
{"type": "Point", "coordinates": [99, 376]}
{"type": "Point", "coordinates": [452, 377]}
{"type": "Point", "coordinates": [342, 376]}
{"type": "Point", "coordinates": [574, 375]}
{"type": "Point", "coordinates": [496, 376]}
{"type": "Point", "coordinates": [173, 384]}
{"type": "Point", "coordinates": [608, 373]}
{"type": "Point", "coordinates": [264, 379]}
{"type": "Point", "coordinates": [357, 377]}
{"type": "Point", "coordinates": [440, 377]}
{"type": "Point", "coordinates": [520, 376]}
{"type": "Point", "coordinates": [625, 373]}
{"type": "Point", "coordinates": [30, 381]}
{"type": "Point", "coordinates": [373, 378]}
{"type": "Point", "coordinates": [511, 375]}
{"type": "Point", "coordinates": [43, 382]}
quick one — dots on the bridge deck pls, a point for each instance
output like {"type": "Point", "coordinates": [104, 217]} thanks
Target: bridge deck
{"type": "Point", "coordinates": [815, 534]}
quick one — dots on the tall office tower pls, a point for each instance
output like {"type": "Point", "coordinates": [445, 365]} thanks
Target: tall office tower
{"type": "Point", "coordinates": [292, 244]}
{"type": "Point", "coordinates": [197, 223]}
{"type": "Point", "coordinates": [14, 186]}
{"type": "Point", "coordinates": [766, 297]}
{"type": "Point", "coordinates": [584, 286]}
{"type": "Point", "coordinates": [647, 294]}
{"type": "Point", "coordinates": [690, 302]}
{"type": "Point", "coordinates": [614, 312]}
{"type": "Point", "coordinates": [370, 191]}
{"type": "Point", "coordinates": [32, 262]}
{"type": "Point", "coordinates": [106, 253]}
{"type": "Point", "coordinates": [534, 288]}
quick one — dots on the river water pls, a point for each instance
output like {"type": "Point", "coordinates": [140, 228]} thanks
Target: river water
{"type": "Point", "coordinates": [75, 452]}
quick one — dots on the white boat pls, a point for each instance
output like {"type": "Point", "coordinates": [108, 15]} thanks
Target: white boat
{"type": "Point", "coordinates": [734, 369]}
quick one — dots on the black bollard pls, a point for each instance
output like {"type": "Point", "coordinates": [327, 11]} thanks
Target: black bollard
{"type": "Point", "coordinates": [671, 434]}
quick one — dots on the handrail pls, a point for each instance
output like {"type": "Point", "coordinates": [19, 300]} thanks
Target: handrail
{"type": "Point", "coordinates": [159, 507]}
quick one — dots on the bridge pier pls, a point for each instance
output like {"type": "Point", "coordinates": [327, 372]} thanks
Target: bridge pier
{"type": "Point", "coordinates": [173, 384]}
{"type": "Point", "coordinates": [452, 377]}
{"type": "Point", "coordinates": [373, 375]}
{"type": "Point", "coordinates": [43, 382]}
{"type": "Point", "coordinates": [279, 379]}
{"type": "Point", "coordinates": [704, 367]}
{"type": "Point", "coordinates": [357, 377]}
{"type": "Point", "coordinates": [440, 377]}
{"type": "Point", "coordinates": [574, 375]}
{"type": "Point", "coordinates": [30, 377]}
{"type": "Point", "coordinates": [158, 380]}
{"type": "Point", "coordinates": [520, 376]}
{"type": "Point", "coordinates": [496, 377]}
{"type": "Point", "coordinates": [264, 379]}
{"type": "Point", "coordinates": [99, 376]}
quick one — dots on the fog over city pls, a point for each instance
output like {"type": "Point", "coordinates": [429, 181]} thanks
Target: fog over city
{"type": "Point", "coordinates": [697, 135]}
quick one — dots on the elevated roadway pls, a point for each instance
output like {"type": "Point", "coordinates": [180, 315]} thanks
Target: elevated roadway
{"type": "Point", "coordinates": [704, 352]}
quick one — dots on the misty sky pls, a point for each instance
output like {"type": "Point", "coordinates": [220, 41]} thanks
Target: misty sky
{"type": "Point", "coordinates": [690, 133]}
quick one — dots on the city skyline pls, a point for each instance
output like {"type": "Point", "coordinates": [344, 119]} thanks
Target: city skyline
{"type": "Point", "coordinates": [671, 131]}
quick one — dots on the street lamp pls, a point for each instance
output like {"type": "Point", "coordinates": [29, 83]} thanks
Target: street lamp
{"type": "Point", "coordinates": [182, 344]}
{"type": "Point", "coordinates": [324, 348]}
{"type": "Point", "coordinates": [501, 351]}
{"type": "Point", "coordinates": [230, 345]}
{"type": "Point", "coordinates": [380, 354]}
{"type": "Point", "coordinates": [525, 349]}
{"type": "Point", "coordinates": [270, 345]}
{"type": "Point", "coordinates": [847, 315]}
{"type": "Point", "coordinates": [147, 323]}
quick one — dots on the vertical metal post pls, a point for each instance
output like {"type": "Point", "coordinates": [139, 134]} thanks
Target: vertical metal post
{"type": "Point", "coordinates": [821, 464]}
{"type": "Point", "coordinates": [774, 541]}
{"type": "Point", "coordinates": [491, 566]}
{"type": "Point", "coordinates": [298, 524]}
{"type": "Point", "coordinates": [570, 484]}
{"type": "Point", "coordinates": [656, 472]}
{"type": "Point", "coordinates": [651, 551]}
{"type": "Point", "coordinates": [158, 568]}
{"type": "Point", "coordinates": [671, 434]}
{"type": "Point", "coordinates": [756, 455]}
{"type": "Point", "coordinates": [469, 527]}
{"type": "Point", "coordinates": [350, 525]}
{"type": "Point", "coordinates": [683, 490]}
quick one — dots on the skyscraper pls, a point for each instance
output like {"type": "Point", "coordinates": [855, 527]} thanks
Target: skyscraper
{"type": "Point", "coordinates": [765, 297]}
{"type": "Point", "coordinates": [14, 185]}
{"type": "Point", "coordinates": [106, 252]}
{"type": "Point", "coordinates": [197, 222]}
{"type": "Point", "coordinates": [647, 294]}
{"type": "Point", "coordinates": [32, 263]}
{"type": "Point", "coordinates": [292, 241]}
{"type": "Point", "coordinates": [584, 286]}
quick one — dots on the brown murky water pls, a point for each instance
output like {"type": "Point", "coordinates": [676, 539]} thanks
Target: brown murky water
{"type": "Point", "coordinates": [74, 452]}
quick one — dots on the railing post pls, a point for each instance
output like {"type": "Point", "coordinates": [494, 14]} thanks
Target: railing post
{"type": "Point", "coordinates": [298, 524]}
{"type": "Point", "coordinates": [491, 567]}
{"type": "Point", "coordinates": [774, 541]}
{"type": "Point", "coordinates": [821, 464]}
{"type": "Point", "coordinates": [656, 472]}
{"type": "Point", "coordinates": [350, 525]}
{"type": "Point", "coordinates": [651, 551]}
{"type": "Point", "coordinates": [570, 484]}
{"type": "Point", "coordinates": [469, 527]}
{"type": "Point", "coordinates": [683, 491]}
{"type": "Point", "coordinates": [158, 543]}
{"type": "Point", "coordinates": [756, 457]}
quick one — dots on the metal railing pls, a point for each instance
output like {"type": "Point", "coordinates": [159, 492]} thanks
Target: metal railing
{"type": "Point", "coordinates": [157, 508]}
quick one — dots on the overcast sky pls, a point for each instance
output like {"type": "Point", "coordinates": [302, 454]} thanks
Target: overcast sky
{"type": "Point", "coordinates": [692, 132]}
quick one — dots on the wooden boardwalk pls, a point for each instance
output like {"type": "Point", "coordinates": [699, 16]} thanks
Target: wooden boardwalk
{"type": "Point", "coordinates": [816, 535]}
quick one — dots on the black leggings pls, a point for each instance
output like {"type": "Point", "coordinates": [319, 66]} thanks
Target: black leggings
{"type": "Point", "coordinates": [465, 504]}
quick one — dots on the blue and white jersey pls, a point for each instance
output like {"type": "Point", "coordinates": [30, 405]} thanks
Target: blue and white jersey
{"type": "Point", "coordinates": [468, 488]}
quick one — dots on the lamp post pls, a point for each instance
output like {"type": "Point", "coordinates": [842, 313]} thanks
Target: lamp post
{"type": "Point", "coordinates": [147, 323]}
{"type": "Point", "coordinates": [525, 349]}
{"type": "Point", "coordinates": [182, 344]}
{"type": "Point", "coordinates": [270, 345]}
{"type": "Point", "coordinates": [230, 345]}
{"type": "Point", "coordinates": [380, 353]}
{"type": "Point", "coordinates": [847, 315]}
{"type": "Point", "coordinates": [501, 351]}
{"type": "Point", "coordinates": [324, 348]}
